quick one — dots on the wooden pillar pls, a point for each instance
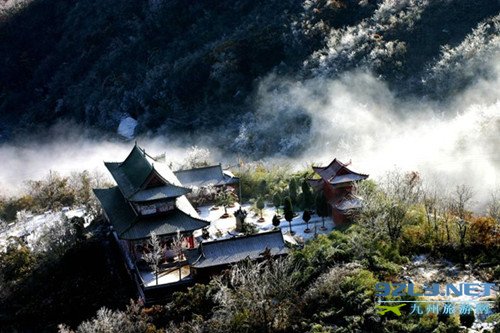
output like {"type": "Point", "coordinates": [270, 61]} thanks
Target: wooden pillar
{"type": "Point", "coordinates": [190, 240]}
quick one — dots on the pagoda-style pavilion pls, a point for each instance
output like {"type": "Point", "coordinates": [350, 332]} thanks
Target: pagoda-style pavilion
{"type": "Point", "coordinates": [150, 199]}
{"type": "Point", "coordinates": [337, 183]}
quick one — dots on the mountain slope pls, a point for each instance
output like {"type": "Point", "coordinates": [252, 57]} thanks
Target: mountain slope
{"type": "Point", "coordinates": [190, 66]}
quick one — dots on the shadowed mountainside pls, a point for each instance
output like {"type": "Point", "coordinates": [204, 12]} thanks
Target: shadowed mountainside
{"type": "Point", "coordinates": [185, 66]}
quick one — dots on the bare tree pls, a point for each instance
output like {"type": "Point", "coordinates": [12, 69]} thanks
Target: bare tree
{"type": "Point", "coordinates": [430, 199]}
{"type": "Point", "coordinates": [444, 211]}
{"type": "Point", "coordinates": [132, 320]}
{"type": "Point", "coordinates": [196, 157]}
{"type": "Point", "coordinates": [405, 187]}
{"type": "Point", "coordinates": [264, 292]}
{"type": "Point", "coordinates": [176, 247]}
{"type": "Point", "coordinates": [201, 195]}
{"type": "Point", "coordinates": [155, 255]}
{"type": "Point", "coordinates": [494, 205]}
{"type": "Point", "coordinates": [436, 207]}
{"type": "Point", "coordinates": [389, 205]}
{"type": "Point", "coordinates": [461, 200]}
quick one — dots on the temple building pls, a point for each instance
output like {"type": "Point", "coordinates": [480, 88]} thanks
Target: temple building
{"type": "Point", "coordinates": [150, 199]}
{"type": "Point", "coordinates": [202, 178]}
{"type": "Point", "coordinates": [337, 183]}
{"type": "Point", "coordinates": [211, 257]}
{"type": "Point", "coordinates": [212, 175]}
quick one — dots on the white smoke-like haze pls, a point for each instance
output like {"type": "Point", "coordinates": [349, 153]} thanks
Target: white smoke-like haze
{"type": "Point", "coordinates": [70, 153]}
{"type": "Point", "coordinates": [358, 118]}
{"type": "Point", "coordinates": [352, 117]}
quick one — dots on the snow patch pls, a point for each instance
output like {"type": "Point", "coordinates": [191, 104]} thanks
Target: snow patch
{"type": "Point", "coordinates": [222, 228]}
{"type": "Point", "coordinates": [30, 227]}
{"type": "Point", "coordinates": [127, 127]}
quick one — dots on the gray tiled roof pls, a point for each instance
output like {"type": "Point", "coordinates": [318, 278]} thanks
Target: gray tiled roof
{"type": "Point", "coordinates": [233, 250]}
{"type": "Point", "coordinates": [338, 173]}
{"type": "Point", "coordinates": [204, 176]}
{"type": "Point", "coordinates": [131, 175]}
{"type": "Point", "coordinates": [130, 226]}
{"type": "Point", "coordinates": [330, 170]}
{"type": "Point", "coordinates": [118, 211]}
{"type": "Point", "coordinates": [347, 178]}
{"type": "Point", "coordinates": [161, 192]}
{"type": "Point", "coordinates": [315, 183]}
{"type": "Point", "coordinates": [121, 178]}
{"type": "Point", "coordinates": [348, 203]}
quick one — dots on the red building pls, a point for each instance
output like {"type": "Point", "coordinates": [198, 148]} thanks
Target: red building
{"type": "Point", "coordinates": [337, 183]}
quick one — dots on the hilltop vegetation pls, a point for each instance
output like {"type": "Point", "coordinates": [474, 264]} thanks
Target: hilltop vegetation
{"type": "Point", "coordinates": [328, 285]}
{"type": "Point", "coordinates": [185, 66]}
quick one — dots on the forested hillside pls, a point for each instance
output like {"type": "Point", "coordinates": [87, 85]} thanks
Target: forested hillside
{"type": "Point", "coordinates": [207, 66]}
{"type": "Point", "coordinates": [73, 274]}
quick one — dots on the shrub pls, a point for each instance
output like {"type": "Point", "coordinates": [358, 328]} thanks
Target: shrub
{"type": "Point", "coordinates": [197, 300]}
{"type": "Point", "coordinates": [343, 297]}
{"type": "Point", "coordinates": [321, 254]}
{"type": "Point", "coordinates": [467, 319]}
{"type": "Point", "coordinates": [484, 231]}
{"type": "Point", "coordinates": [256, 298]}
{"type": "Point", "coordinates": [132, 320]}
{"type": "Point", "coordinates": [10, 207]}
{"type": "Point", "coordinates": [16, 263]}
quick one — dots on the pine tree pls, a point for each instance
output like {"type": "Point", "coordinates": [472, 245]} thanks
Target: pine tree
{"type": "Point", "coordinates": [288, 209]}
{"type": "Point", "coordinates": [322, 208]}
{"type": "Point", "coordinates": [307, 195]}
{"type": "Point", "coordinates": [260, 206]}
{"type": "Point", "coordinates": [276, 221]}
{"type": "Point", "coordinates": [263, 188]}
{"type": "Point", "coordinates": [277, 202]}
{"type": "Point", "coordinates": [292, 189]}
{"type": "Point", "coordinates": [306, 216]}
{"type": "Point", "coordinates": [225, 198]}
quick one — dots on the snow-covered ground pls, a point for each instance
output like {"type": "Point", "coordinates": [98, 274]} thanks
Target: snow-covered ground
{"type": "Point", "coordinates": [170, 276]}
{"type": "Point", "coordinates": [225, 227]}
{"type": "Point", "coordinates": [221, 228]}
{"type": "Point", "coordinates": [425, 271]}
{"type": "Point", "coordinates": [31, 227]}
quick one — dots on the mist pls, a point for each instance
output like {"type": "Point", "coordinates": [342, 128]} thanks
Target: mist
{"type": "Point", "coordinates": [330, 109]}
{"type": "Point", "coordinates": [448, 145]}
{"type": "Point", "coordinates": [355, 116]}
{"type": "Point", "coordinates": [67, 153]}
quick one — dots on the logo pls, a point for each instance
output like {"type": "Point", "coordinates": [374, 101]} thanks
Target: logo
{"type": "Point", "coordinates": [387, 308]}
{"type": "Point", "coordinates": [447, 299]}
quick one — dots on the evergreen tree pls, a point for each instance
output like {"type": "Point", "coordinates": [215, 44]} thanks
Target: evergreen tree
{"type": "Point", "coordinates": [292, 189]}
{"type": "Point", "coordinates": [240, 216]}
{"type": "Point", "coordinates": [322, 207]}
{"type": "Point", "coordinates": [277, 201]}
{"type": "Point", "coordinates": [263, 188]}
{"type": "Point", "coordinates": [260, 206]}
{"type": "Point", "coordinates": [276, 221]}
{"type": "Point", "coordinates": [307, 195]}
{"type": "Point", "coordinates": [225, 198]}
{"type": "Point", "coordinates": [306, 216]}
{"type": "Point", "coordinates": [288, 209]}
